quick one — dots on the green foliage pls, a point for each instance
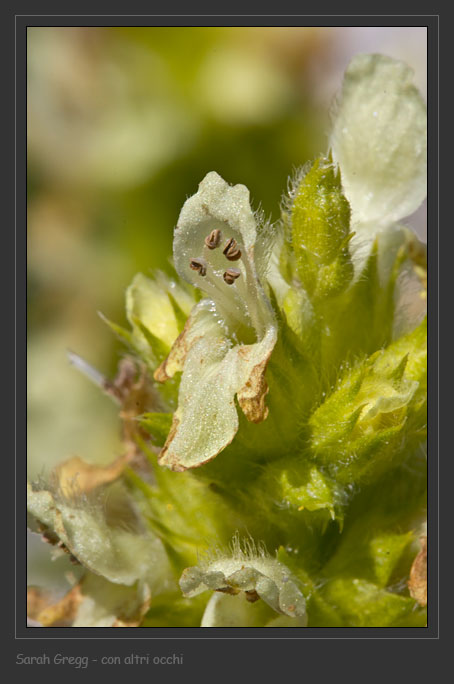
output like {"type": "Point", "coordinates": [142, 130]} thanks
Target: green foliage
{"type": "Point", "coordinates": [158, 425]}
{"type": "Point", "coordinates": [369, 421]}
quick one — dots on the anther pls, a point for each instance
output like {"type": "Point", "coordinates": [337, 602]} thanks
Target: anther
{"type": "Point", "coordinates": [213, 239]}
{"type": "Point", "coordinates": [231, 250]}
{"type": "Point", "coordinates": [198, 265]}
{"type": "Point", "coordinates": [231, 275]}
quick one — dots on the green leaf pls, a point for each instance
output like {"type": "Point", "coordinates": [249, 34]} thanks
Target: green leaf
{"type": "Point", "coordinates": [122, 334]}
{"type": "Point", "coordinates": [186, 513]}
{"type": "Point", "coordinates": [158, 425]}
{"type": "Point", "coordinates": [299, 485]}
{"type": "Point", "coordinates": [180, 316]}
{"type": "Point", "coordinates": [357, 603]}
{"type": "Point", "coordinates": [379, 540]}
{"type": "Point", "coordinates": [158, 349]}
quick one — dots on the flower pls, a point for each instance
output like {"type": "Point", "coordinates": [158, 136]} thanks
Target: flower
{"type": "Point", "coordinates": [125, 564]}
{"type": "Point", "coordinates": [379, 141]}
{"type": "Point", "coordinates": [242, 579]}
{"type": "Point", "coordinates": [227, 341]}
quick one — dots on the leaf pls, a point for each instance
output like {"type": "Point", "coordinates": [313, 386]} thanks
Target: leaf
{"type": "Point", "coordinates": [122, 334]}
{"type": "Point", "coordinates": [180, 315]}
{"type": "Point", "coordinates": [159, 304]}
{"type": "Point", "coordinates": [357, 603]}
{"type": "Point", "coordinates": [158, 349]}
{"type": "Point", "coordinates": [376, 414]}
{"type": "Point", "coordinates": [298, 484]}
{"type": "Point", "coordinates": [378, 540]}
{"type": "Point", "coordinates": [158, 425]}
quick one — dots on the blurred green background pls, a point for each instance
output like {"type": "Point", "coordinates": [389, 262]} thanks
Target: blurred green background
{"type": "Point", "coordinates": [123, 123]}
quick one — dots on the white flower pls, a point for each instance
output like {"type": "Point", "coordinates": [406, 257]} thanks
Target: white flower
{"type": "Point", "coordinates": [225, 346]}
{"type": "Point", "coordinates": [379, 141]}
{"type": "Point", "coordinates": [119, 554]}
{"type": "Point", "coordinates": [125, 565]}
{"type": "Point", "coordinates": [241, 579]}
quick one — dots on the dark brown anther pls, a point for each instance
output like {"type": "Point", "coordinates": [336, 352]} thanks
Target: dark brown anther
{"type": "Point", "coordinates": [231, 275]}
{"type": "Point", "coordinates": [198, 265]}
{"type": "Point", "coordinates": [213, 239]}
{"type": "Point", "coordinates": [251, 596]}
{"type": "Point", "coordinates": [233, 591]}
{"type": "Point", "coordinates": [231, 250]}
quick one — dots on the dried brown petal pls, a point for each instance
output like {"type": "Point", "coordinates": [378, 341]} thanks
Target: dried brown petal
{"type": "Point", "coordinates": [418, 575]}
{"type": "Point", "coordinates": [75, 475]}
{"type": "Point", "coordinates": [62, 613]}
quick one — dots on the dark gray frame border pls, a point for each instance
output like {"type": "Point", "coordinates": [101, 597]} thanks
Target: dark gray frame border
{"type": "Point", "coordinates": [193, 634]}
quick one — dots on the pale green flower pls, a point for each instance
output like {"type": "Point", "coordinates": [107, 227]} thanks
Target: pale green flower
{"type": "Point", "coordinates": [125, 563]}
{"type": "Point", "coordinates": [229, 336]}
{"type": "Point", "coordinates": [379, 141]}
{"type": "Point", "coordinates": [242, 580]}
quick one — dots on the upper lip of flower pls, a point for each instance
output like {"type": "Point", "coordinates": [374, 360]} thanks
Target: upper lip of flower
{"type": "Point", "coordinates": [224, 271]}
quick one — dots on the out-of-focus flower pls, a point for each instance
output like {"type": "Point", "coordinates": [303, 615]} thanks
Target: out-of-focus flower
{"type": "Point", "coordinates": [126, 564]}
{"type": "Point", "coordinates": [96, 108]}
{"type": "Point", "coordinates": [379, 140]}
{"type": "Point", "coordinates": [243, 88]}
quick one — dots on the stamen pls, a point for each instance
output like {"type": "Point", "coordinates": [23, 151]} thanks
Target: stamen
{"type": "Point", "coordinates": [198, 265]}
{"type": "Point", "coordinates": [231, 250]}
{"type": "Point", "coordinates": [213, 239]}
{"type": "Point", "coordinates": [231, 275]}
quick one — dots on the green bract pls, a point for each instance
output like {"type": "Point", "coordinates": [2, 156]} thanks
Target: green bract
{"type": "Point", "coordinates": [275, 394]}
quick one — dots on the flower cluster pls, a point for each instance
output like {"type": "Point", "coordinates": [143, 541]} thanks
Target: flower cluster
{"type": "Point", "coordinates": [275, 392]}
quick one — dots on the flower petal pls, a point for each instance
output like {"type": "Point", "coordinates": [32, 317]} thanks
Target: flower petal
{"type": "Point", "coordinates": [379, 140]}
{"type": "Point", "coordinates": [85, 476]}
{"type": "Point", "coordinates": [206, 420]}
{"type": "Point", "coordinates": [216, 205]}
{"type": "Point", "coordinates": [417, 583]}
